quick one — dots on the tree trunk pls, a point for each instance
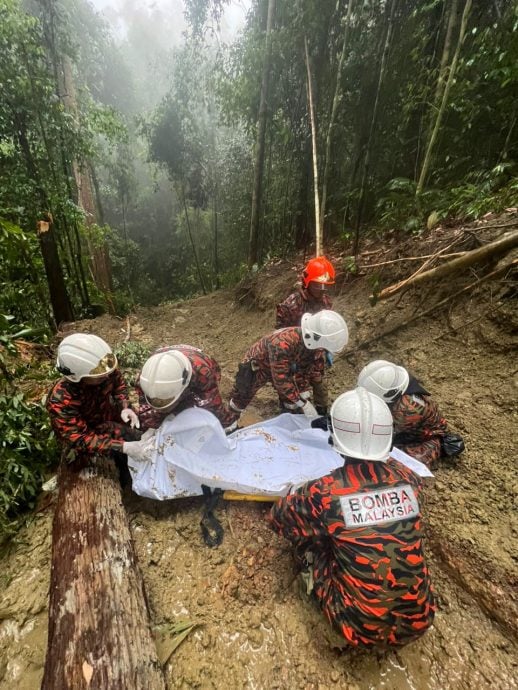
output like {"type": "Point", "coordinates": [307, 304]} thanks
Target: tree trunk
{"type": "Point", "coordinates": [259, 147]}
{"type": "Point", "coordinates": [488, 251]}
{"type": "Point", "coordinates": [198, 268]}
{"type": "Point", "coordinates": [318, 233]}
{"type": "Point", "coordinates": [444, 101]}
{"type": "Point", "coordinates": [61, 306]}
{"type": "Point", "coordinates": [99, 632]}
{"type": "Point", "coordinates": [374, 117]}
{"type": "Point", "coordinates": [334, 108]}
{"type": "Point", "coordinates": [445, 57]}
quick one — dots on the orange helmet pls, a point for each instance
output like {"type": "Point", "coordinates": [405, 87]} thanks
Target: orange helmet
{"type": "Point", "coordinates": [319, 270]}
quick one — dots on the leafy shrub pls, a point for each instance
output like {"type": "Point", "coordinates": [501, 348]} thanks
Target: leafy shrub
{"type": "Point", "coordinates": [27, 451]}
{"type": "Point", "coordinates": [132, 355]}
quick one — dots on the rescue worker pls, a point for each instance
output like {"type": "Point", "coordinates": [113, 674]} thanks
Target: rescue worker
{"type": "Point", "coordinates": [312, 297]}
{"type": "Point", "coordinates": [89, 407]}
{"type": "Point", "coordinates": [357, 532]}
{"type": "Point", "coordinates": [176, 378]}
{"type": "Point", "coordinates": [418, 423]}
{"type": "Point", "coordinates": [292, 360]}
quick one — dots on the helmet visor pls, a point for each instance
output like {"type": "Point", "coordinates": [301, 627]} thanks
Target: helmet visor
{"type": "Point", "coordinates": [160, 403]}
{"type": "Point", "coordinates": [105, 366]}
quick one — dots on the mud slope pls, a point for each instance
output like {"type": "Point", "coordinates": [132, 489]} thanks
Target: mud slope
{"type": "Point", "coordinates": [255, 631]}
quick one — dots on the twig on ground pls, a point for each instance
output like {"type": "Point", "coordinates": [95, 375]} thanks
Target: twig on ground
{"type": "Point", "coordinates": [413, 258]}
{"type": "Point", "coordinates": [128, 332]}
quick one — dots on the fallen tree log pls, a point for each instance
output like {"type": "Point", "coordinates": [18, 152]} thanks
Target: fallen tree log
{"type": "Point", "coordinates": [488, 251]}
{"type": "Point", "coordinates": [99, 629]}
{"type": "Point", "coordinates": [500, 270]}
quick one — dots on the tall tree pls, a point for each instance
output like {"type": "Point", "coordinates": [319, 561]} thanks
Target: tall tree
{"type": "Point", "coordinates": [444, 101]}
{"type": "Point", "coordinates": [261, 134]}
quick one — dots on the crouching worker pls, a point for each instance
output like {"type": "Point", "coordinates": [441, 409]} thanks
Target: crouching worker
{"type": "Point", "coordinates": [176, 378]}
{"type": "Point", "coordinates": [88, 407]}
{"type": "Point", "coordinates": [358, 532]}
{"type": "Point", "coordinates": [293, 361]}
{"type": "Point", "coordinates": [419, 427]}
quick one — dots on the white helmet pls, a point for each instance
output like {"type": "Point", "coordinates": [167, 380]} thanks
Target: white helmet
{"type": "Point", "coordinates": [361, 425]}
{"type": "Point", "coordinates": [326, 329]}
{"type": "Point", "coordinates": [384, 379]}
{"type": "Point", "coordinates": [84, 354]}
{"type": "Point", "coordinates": [165, 376]}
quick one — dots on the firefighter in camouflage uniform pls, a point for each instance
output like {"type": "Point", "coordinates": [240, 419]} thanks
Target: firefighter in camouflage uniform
{"type": "Point", "coordinates": [292, 360]}
{"type": "Point", "coordinates": [88, 407]}
{"type": "Point", "coordinates": [358, 535]}
{"type": "Point", "coordinates": [176, 378]}
{"type": "Point", "coordinates": [419, 427]}
{"type": "Point", "coordinates": [318, 275]}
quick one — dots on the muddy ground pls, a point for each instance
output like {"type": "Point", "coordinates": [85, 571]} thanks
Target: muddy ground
{"type": "Point", "coordinates": [255, 630]}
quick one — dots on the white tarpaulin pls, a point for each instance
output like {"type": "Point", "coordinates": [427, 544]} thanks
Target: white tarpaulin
{"type": "Point", "coordinates": [268, 458]}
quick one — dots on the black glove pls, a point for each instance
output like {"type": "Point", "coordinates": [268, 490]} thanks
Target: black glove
{"type": "Point", "coordinates": [320, 423]}
{"type": "Point", "coordinates": [322, 411]}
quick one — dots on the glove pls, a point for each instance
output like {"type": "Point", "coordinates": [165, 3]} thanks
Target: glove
{"type": "Point", "coordinates": [305, 395]}
{"type": "Point", "coordinates": [329, 358]}
{"type": "Point", "coordinates": [309, 410]}
{"type": "Point", "coordinates": [320, 423]}
{"type": "Point", "coordinates": [150, 433]}
{"type": "Point", "coordinates": [127, 415]}
{"type": "Point", "coordinates": [139, 450]}
{"type": "Point", "coordinates": [231, 428]}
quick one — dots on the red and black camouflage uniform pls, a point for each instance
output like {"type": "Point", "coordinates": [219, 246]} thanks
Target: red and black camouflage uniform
{"type": "Point", "coordinates": [202, 391]}
{"type": "Point", "coordinates": [87, 418]}
{"type": "Point", "coordinates": [282, 359]}
{"type": "Point", "coordinates": [371, 582]}
{"type": "Point", "coordinates": [289, 312]}
{"type": "Point", "coordinates": [418, 427]}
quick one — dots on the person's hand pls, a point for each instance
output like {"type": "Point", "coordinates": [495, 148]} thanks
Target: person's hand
{"type": "Point", "coordinates": [127, 415]}
{"type": "Point", "coordinates": [150, 433]}
{"type": "Point", "coordinates": [139, 450]}
{"type": "Point", "coordinates": [320, 423]}
{"type": "Point", "coordinates": [309, 410]}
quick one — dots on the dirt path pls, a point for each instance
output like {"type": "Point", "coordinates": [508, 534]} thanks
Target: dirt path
{"type": "Point", "coordinates": [256, 631]}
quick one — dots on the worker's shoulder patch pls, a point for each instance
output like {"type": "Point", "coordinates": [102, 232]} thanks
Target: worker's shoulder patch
{"type": "Point", "coordinates": [381, 506]}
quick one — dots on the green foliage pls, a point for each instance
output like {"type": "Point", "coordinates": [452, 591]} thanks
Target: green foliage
{"type": "Point", "coordinates": [27, 452]}
{"type": "Point", "coordinates": [132, 354]}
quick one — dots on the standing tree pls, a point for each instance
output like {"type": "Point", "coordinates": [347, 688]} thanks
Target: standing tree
{"type": "Point", "coordinates": [261, 134]}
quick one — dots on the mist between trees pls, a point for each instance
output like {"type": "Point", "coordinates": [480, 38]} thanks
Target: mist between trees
{"type": "Point", "coordinates": [159, 156]}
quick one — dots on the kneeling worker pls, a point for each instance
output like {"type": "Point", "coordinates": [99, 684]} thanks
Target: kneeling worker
{"type": "Point", "coordinates": [358, 530]}
{"type": "Point", "coordinates": [176, 378]}
{"type": "Point", "coordinates": [88, 407]}
{"type": "Point", "coordinates": [418, 424]}
{"type": "Point", "coordinates": [292, 360]}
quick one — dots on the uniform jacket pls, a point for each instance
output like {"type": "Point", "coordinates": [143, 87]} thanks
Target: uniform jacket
{"type": "Point", "coordinates": [417, 419]}
{"type": "Point", "coordinates": [77, 410]}
{"type": "Point", "coordinates": [282, 358]}
{"type": "Point", "coordinates": [202, 391]}
{"type": "Point", "coordinates": [370, 579]}
{"type": "Point", "coordinates": [289, 312]}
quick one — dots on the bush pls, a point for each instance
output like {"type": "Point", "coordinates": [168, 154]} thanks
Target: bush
{"type": "Point", "coordinates": [27, 451]}
{"type": "Point", "coordinates": [132, 355]}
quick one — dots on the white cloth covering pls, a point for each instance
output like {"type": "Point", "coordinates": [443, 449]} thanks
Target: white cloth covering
{"type": "Point", "coordinates": [268, 458]}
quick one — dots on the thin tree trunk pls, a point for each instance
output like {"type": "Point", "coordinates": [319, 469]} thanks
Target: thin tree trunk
{"type": "Point", "coordinates": [445, 57]}
{"type": "Point", "coordinates": [259, 147]}
{"type": "Point", "coordinates": [374, 117]}
{"type": "Point", "coordinates": [444, 100]}
{"type": "Point", "coordinates": [195, 254]}
{"type": "Point", "coordinates": [99, 628]}
{"type": "Point", "coordinates": [334, 108]}
{"type": "Point", "coordinates": [318, 229]}
{"type": "Point", "coordinates": [216, 254]}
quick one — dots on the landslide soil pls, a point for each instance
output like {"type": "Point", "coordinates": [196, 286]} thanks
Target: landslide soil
{"type": "Point", "coordinates": [255, 629]}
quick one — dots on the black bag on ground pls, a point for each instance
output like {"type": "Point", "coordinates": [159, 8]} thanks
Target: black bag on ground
{"type": "Point", "coordinates": [452, 444]}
